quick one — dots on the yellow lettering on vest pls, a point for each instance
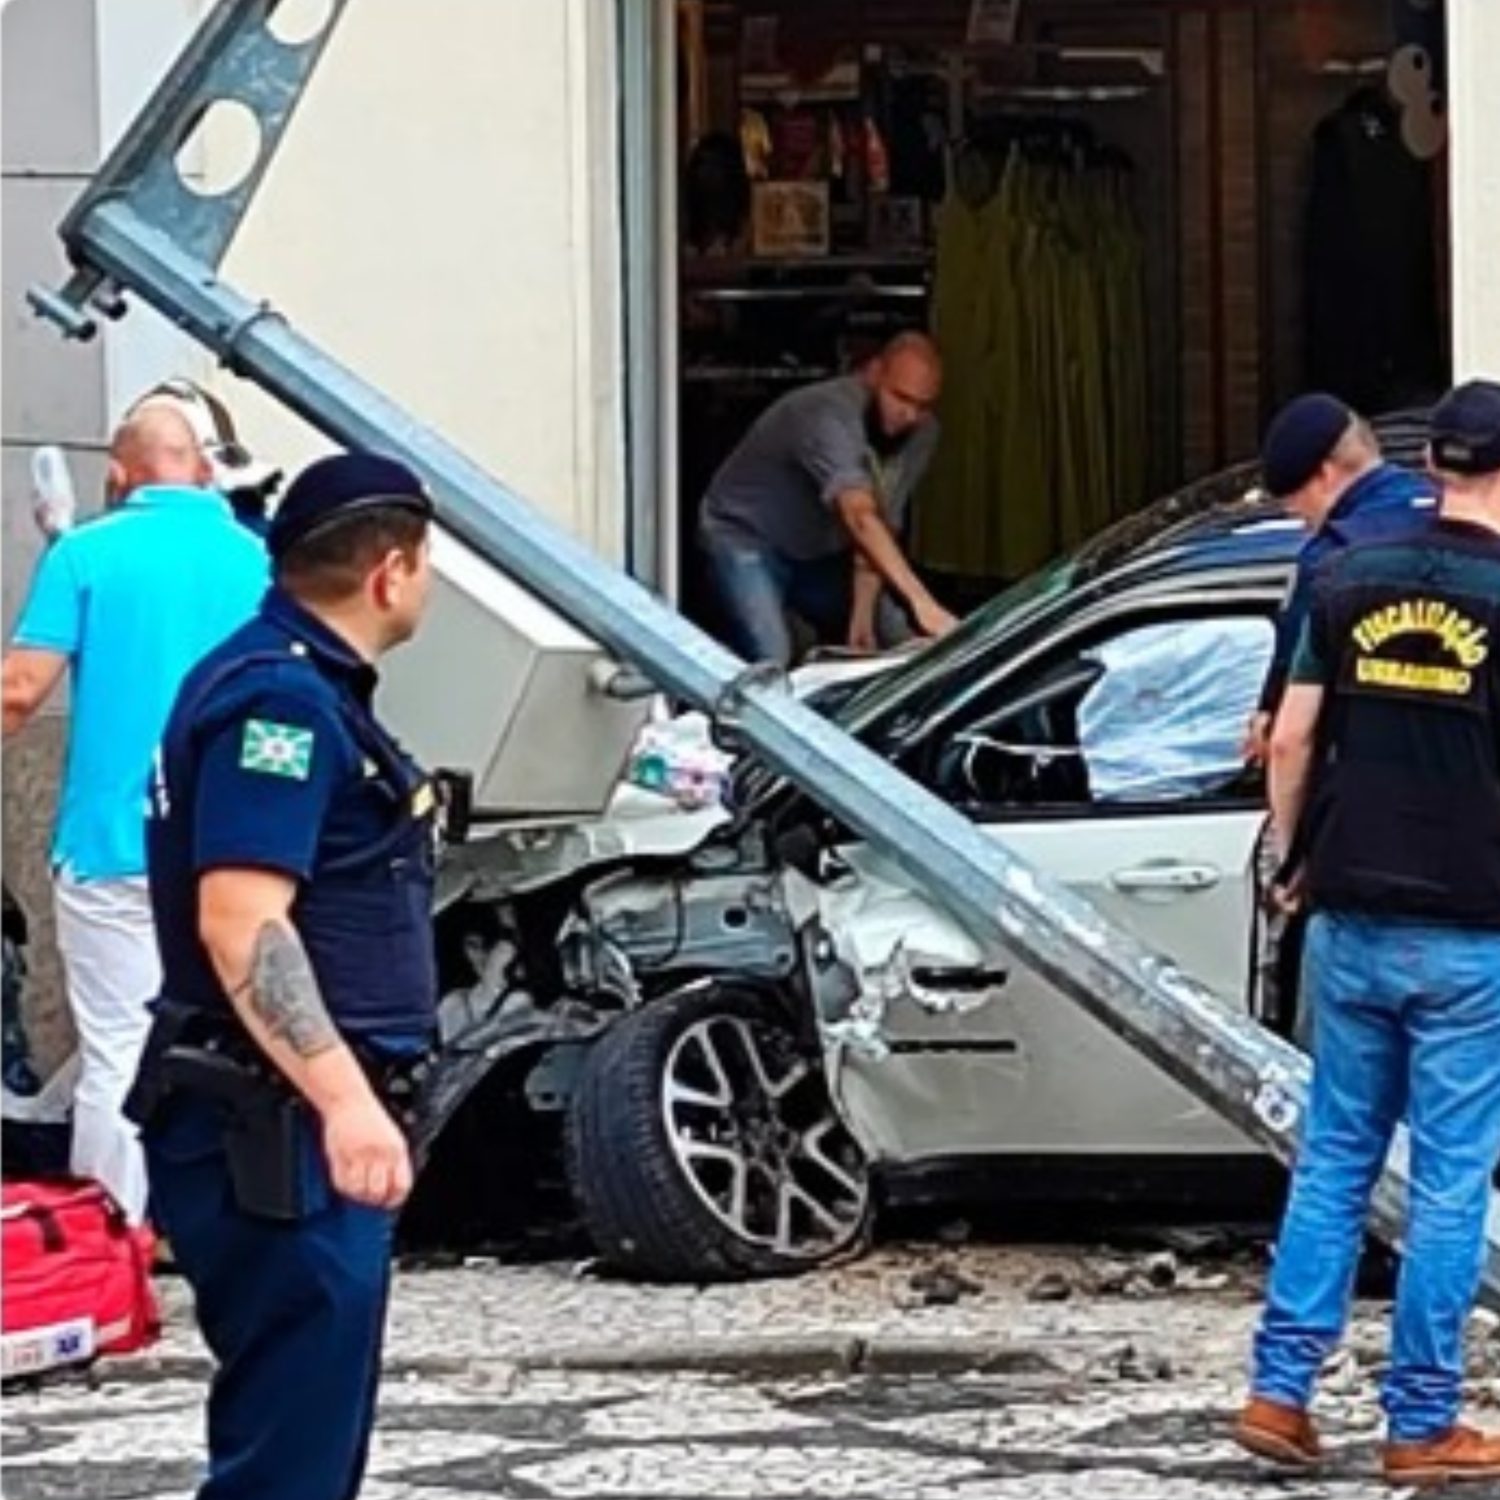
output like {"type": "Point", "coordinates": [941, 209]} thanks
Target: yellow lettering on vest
{"type": "Point", "coordinates": [1460, 636]}
{"type": "Point", "coordinates": [1412, 677]}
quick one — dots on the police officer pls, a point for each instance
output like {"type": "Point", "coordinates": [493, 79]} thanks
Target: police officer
{"type": "Point", "coordinates": [290, 851]}
{"type": "Point", "coordinates": [1322, 461]}
{"type": "Point", "coordinates": [1385, 793]}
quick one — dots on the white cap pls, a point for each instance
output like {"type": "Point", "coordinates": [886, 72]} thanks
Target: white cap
{"type": "Point", "coordinates": [234, 467]}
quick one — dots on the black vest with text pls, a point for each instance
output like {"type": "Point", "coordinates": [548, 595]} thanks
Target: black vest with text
{"type": "Point", "coordinates": [1404, 817]}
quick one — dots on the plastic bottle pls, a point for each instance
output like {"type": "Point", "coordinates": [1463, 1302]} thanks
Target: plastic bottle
{"type": "Point", "coordinates": [54, 502]}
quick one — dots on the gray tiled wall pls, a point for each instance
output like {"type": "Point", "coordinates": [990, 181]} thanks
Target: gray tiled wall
{"type": "Point", "coordinates": [52, 393]}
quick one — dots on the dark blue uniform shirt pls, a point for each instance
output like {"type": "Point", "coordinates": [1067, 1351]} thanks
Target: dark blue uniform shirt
{"type": "Point", "coordinates": [1377, 504]}
{"type": "Point", "coordinates": [252, 516]}
{"type": "Point", "coordinates": [273, 760]}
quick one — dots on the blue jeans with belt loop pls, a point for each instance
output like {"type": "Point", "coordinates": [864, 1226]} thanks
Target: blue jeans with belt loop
{"type": "Point", "coordinates": [758, 586]}
{"type": "Point", "coordinates": [1408, 1024]}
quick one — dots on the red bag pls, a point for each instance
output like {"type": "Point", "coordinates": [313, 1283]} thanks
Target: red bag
{"type": "Point", "coordinates": [77, 1279]}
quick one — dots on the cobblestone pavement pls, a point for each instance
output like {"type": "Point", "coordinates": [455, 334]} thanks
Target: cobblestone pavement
{"type": "Point", "coordinates": [982, 1372]}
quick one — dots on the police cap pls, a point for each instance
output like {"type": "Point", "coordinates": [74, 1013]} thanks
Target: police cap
{"type": "Point", "coordinates": [1466, 429]}
{"type": "Point", "coordinates": [344, 485]}
{"type": "Point", "coordinates": [1300, 439]}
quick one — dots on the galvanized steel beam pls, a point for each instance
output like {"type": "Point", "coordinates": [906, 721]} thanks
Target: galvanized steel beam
{"type": "Point", "coordinates": [132, 232]}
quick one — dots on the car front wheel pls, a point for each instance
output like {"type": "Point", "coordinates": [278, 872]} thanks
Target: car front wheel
{"type": "Point", "coordinates": [702, 1144]}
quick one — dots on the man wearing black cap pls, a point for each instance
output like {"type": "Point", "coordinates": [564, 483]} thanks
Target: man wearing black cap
{"type": "Point", "coordinates": [1322, 461]}
{"type": "Point", "coordinates": [290, 852]}
{"type": "Point", "coordinates": [1385, 796]}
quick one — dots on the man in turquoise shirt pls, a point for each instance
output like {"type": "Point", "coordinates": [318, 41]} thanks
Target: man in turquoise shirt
{"type": "Point", "coordinates": [129, 601]}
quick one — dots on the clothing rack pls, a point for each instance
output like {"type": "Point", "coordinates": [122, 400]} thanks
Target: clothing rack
{"type": "Point", "coordinates": [963, 66]}
{"type": "Point", "coordinates": [1150, 61]}
{"type": "Point", "coordinates": [1354, 67]}
{"type": "Point", "coordinates": [1063, 93]}
{"type": "Point", "coordinates": [849, 291]}
{"type": "Point", "coordinates": [1065, 141]}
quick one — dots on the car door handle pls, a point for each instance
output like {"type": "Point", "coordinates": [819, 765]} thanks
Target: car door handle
{"type": "Point", "coordinates": [961, 980]}
{"type": "Point", "coordinates": [1166, 876]}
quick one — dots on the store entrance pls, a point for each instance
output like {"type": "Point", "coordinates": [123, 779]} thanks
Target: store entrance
{"type": "Point", "coordinates": [1133, 227]}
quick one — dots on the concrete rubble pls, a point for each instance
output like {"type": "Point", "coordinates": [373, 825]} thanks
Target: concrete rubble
{"type": "Point", "coordinates": [533, 1380]}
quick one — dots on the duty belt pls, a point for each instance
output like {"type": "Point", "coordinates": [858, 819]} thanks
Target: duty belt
{"type": "Point", "coordinates": [195, 1051]}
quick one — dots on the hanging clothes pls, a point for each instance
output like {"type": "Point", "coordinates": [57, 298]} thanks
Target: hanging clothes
{"type": "Point", "coordinates": [1039, 309]}
{"type": "Point", "coordinates": [1014, 406]}
{"type": "Point", "coordinates": [1127, 341]}
{"type": "Point", "coordinates": [1374, 332]}
{"type": "Point", "coordinates": [959, 319]}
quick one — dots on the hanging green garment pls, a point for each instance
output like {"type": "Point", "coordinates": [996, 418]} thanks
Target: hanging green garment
{"type": "Point", "coordinates": [943, 510]}
{"type": "Point", "coordinates": [1019, 534]}
{"type": "Point", "coordinates": [1039, 308]}
{"type": "Point", "coordinates": [1089, 343]}
{"type": "Point", "coordinates": [1133, 415]}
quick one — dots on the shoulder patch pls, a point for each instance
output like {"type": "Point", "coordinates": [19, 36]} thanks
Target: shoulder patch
{"type": "Point", "coordinates": [276, 749]}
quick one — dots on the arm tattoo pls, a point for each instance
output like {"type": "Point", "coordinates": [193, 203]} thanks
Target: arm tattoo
{"type": "Point", "coordinates": [284, 993]}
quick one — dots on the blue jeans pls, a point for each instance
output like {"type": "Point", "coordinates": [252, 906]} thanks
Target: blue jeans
{"type": "Point", "coordinates": [757, 587]}
{"type": "Point", "coordinates": [1408, 1023]}
{"type": "Point", "coordinates": [294, 1314]}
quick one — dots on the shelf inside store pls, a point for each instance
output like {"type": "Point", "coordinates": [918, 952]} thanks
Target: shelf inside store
{"type": "Point", "coordinates": [729, 270]}
{"type": "Point", "coordinates": [709, 373]}
{"type": "Point", "coordinates": [842, 85]}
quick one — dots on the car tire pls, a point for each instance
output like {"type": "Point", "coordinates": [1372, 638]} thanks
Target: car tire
{"type": "Point", "coordinates": [702, 1144]}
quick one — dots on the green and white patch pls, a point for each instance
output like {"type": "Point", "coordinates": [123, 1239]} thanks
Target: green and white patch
{"type": "Point", "coordinates": [276, 749]}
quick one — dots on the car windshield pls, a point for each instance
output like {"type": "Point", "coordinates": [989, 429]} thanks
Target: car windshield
{"type": "Point", "coordinates": [943, 660]}
{"type": "Point", "coordinates": [939, 660]}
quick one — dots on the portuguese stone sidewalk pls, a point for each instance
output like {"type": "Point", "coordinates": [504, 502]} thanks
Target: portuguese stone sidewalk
{"type": "Point", "coordinates": [968, 1372]}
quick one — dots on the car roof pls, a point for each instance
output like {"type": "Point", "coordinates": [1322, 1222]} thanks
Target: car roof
{"type": "Point", "coordinates": [1251, 535]}
{"type": "Point", "coordinates": [1224, 520]}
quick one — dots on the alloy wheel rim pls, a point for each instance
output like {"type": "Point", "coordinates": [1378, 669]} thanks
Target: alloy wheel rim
{"type": "Point", "coordinates": [756, 1136]}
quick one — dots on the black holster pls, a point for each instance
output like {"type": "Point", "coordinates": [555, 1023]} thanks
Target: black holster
{"type": "Point", "coordinates": [171, 1025]}
{"type": "Point", "coordinates": [266, 1124]}
{"type": "Point", "coordinates": [266, 1130]}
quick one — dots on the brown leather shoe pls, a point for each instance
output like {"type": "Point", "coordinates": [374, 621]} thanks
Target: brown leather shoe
{"type": "Point", "coordinates": [1461, 1455]}
{"type": "Point", "coordinates": [1283, 1434]}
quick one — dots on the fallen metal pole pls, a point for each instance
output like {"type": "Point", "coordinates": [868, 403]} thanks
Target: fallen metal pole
{"type": "Point", "coordinates": [1249, 1076]}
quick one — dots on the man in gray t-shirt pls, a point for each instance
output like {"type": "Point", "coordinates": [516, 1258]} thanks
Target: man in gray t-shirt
{"type": "Point", "coordinates": [804, 515]}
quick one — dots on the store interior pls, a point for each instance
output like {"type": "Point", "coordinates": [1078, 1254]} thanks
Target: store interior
{"type": "Point", "coordinates": [1134, 227]}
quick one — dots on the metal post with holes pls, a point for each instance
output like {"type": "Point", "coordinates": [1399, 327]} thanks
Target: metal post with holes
{"type": "Point", "coordinates": [139, 228]}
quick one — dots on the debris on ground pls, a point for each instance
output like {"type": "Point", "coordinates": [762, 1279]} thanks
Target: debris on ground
{"type": "Point", "coordinates": [1052, 1286]}
{"type": "Point", "coordinates": [1342, 1375]}
{"type": "Point", "coordinates": [942, 1286]}
{"type": "Point", "coordinates": [1160, 1270]}
{"type": "Point", "coordinates": [1148, 1276]}
{"type": "Point", "coordinates": [1134, 1362]}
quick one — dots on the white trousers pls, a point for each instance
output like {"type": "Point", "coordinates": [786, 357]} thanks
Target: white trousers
{"type": "Point", "coordinates": [108, 947]}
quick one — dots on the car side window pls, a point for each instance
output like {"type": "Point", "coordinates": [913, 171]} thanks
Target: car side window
{"type": "Point", "coordinates": [1146, 714]}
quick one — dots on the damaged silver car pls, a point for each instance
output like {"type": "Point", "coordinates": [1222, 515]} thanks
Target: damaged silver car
{"type": "Point", "coordinates": [742, 1023]}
